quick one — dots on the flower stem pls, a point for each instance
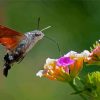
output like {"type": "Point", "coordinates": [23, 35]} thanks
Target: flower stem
{"type": "Point", "coordinates": [77, 91]}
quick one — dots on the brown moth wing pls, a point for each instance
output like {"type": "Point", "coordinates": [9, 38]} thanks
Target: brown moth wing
{"type": "Point", "coordinates": [10, 38]}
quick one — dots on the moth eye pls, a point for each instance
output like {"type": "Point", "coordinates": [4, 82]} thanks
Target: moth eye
{"type": "Point", "coordinates": [37, 34]}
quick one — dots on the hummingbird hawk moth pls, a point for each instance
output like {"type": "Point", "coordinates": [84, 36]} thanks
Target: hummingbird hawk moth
{"type": "Point", "coordinates": [17, 45]}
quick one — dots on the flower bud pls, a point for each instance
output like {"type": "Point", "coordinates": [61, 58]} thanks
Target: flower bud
{"type": "Point", "coordinates": [94, 56]}
{"type": "Point", "coordinates": [92, 84]}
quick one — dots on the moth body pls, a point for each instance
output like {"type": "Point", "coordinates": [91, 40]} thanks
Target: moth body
{"type": "Point", "coordinates": [23, 47]}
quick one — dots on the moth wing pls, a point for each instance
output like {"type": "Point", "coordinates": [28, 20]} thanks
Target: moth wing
{"type": "Point", "coordinates": [10, 38]}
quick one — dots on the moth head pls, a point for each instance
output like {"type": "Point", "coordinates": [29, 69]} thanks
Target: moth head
{"type": "Point", "coordinates": [35, 35]}
{"type": "Point", "coordinates": [38, 34]}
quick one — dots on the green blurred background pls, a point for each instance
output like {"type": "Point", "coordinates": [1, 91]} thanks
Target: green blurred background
{"type": "Point", "coordinates": [75, 24]}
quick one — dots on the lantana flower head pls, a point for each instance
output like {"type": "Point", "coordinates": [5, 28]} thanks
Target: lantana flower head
{"type": "Point", "coordinates": [95, 53]}
{"type": "Point", "coordinates": [65, 68]}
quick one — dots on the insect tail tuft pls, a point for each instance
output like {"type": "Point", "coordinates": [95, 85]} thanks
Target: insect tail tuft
{"type": "Point", "coordinates": [5, 69]}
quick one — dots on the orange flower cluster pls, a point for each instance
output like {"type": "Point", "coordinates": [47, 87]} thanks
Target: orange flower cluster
{"type": "Point", "coordinates": [65, 68]}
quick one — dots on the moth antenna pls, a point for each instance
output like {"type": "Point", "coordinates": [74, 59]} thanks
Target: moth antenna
{"type": "Point", "coordinates": [56, 44]}
{"type": "Point", "coordinates": [38, 24]}
{"type": "Point", "coordinates": [45, 28]}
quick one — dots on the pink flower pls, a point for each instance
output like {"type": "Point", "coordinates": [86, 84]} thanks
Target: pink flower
{"type": "Point", "coordinates": [64, 61]}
